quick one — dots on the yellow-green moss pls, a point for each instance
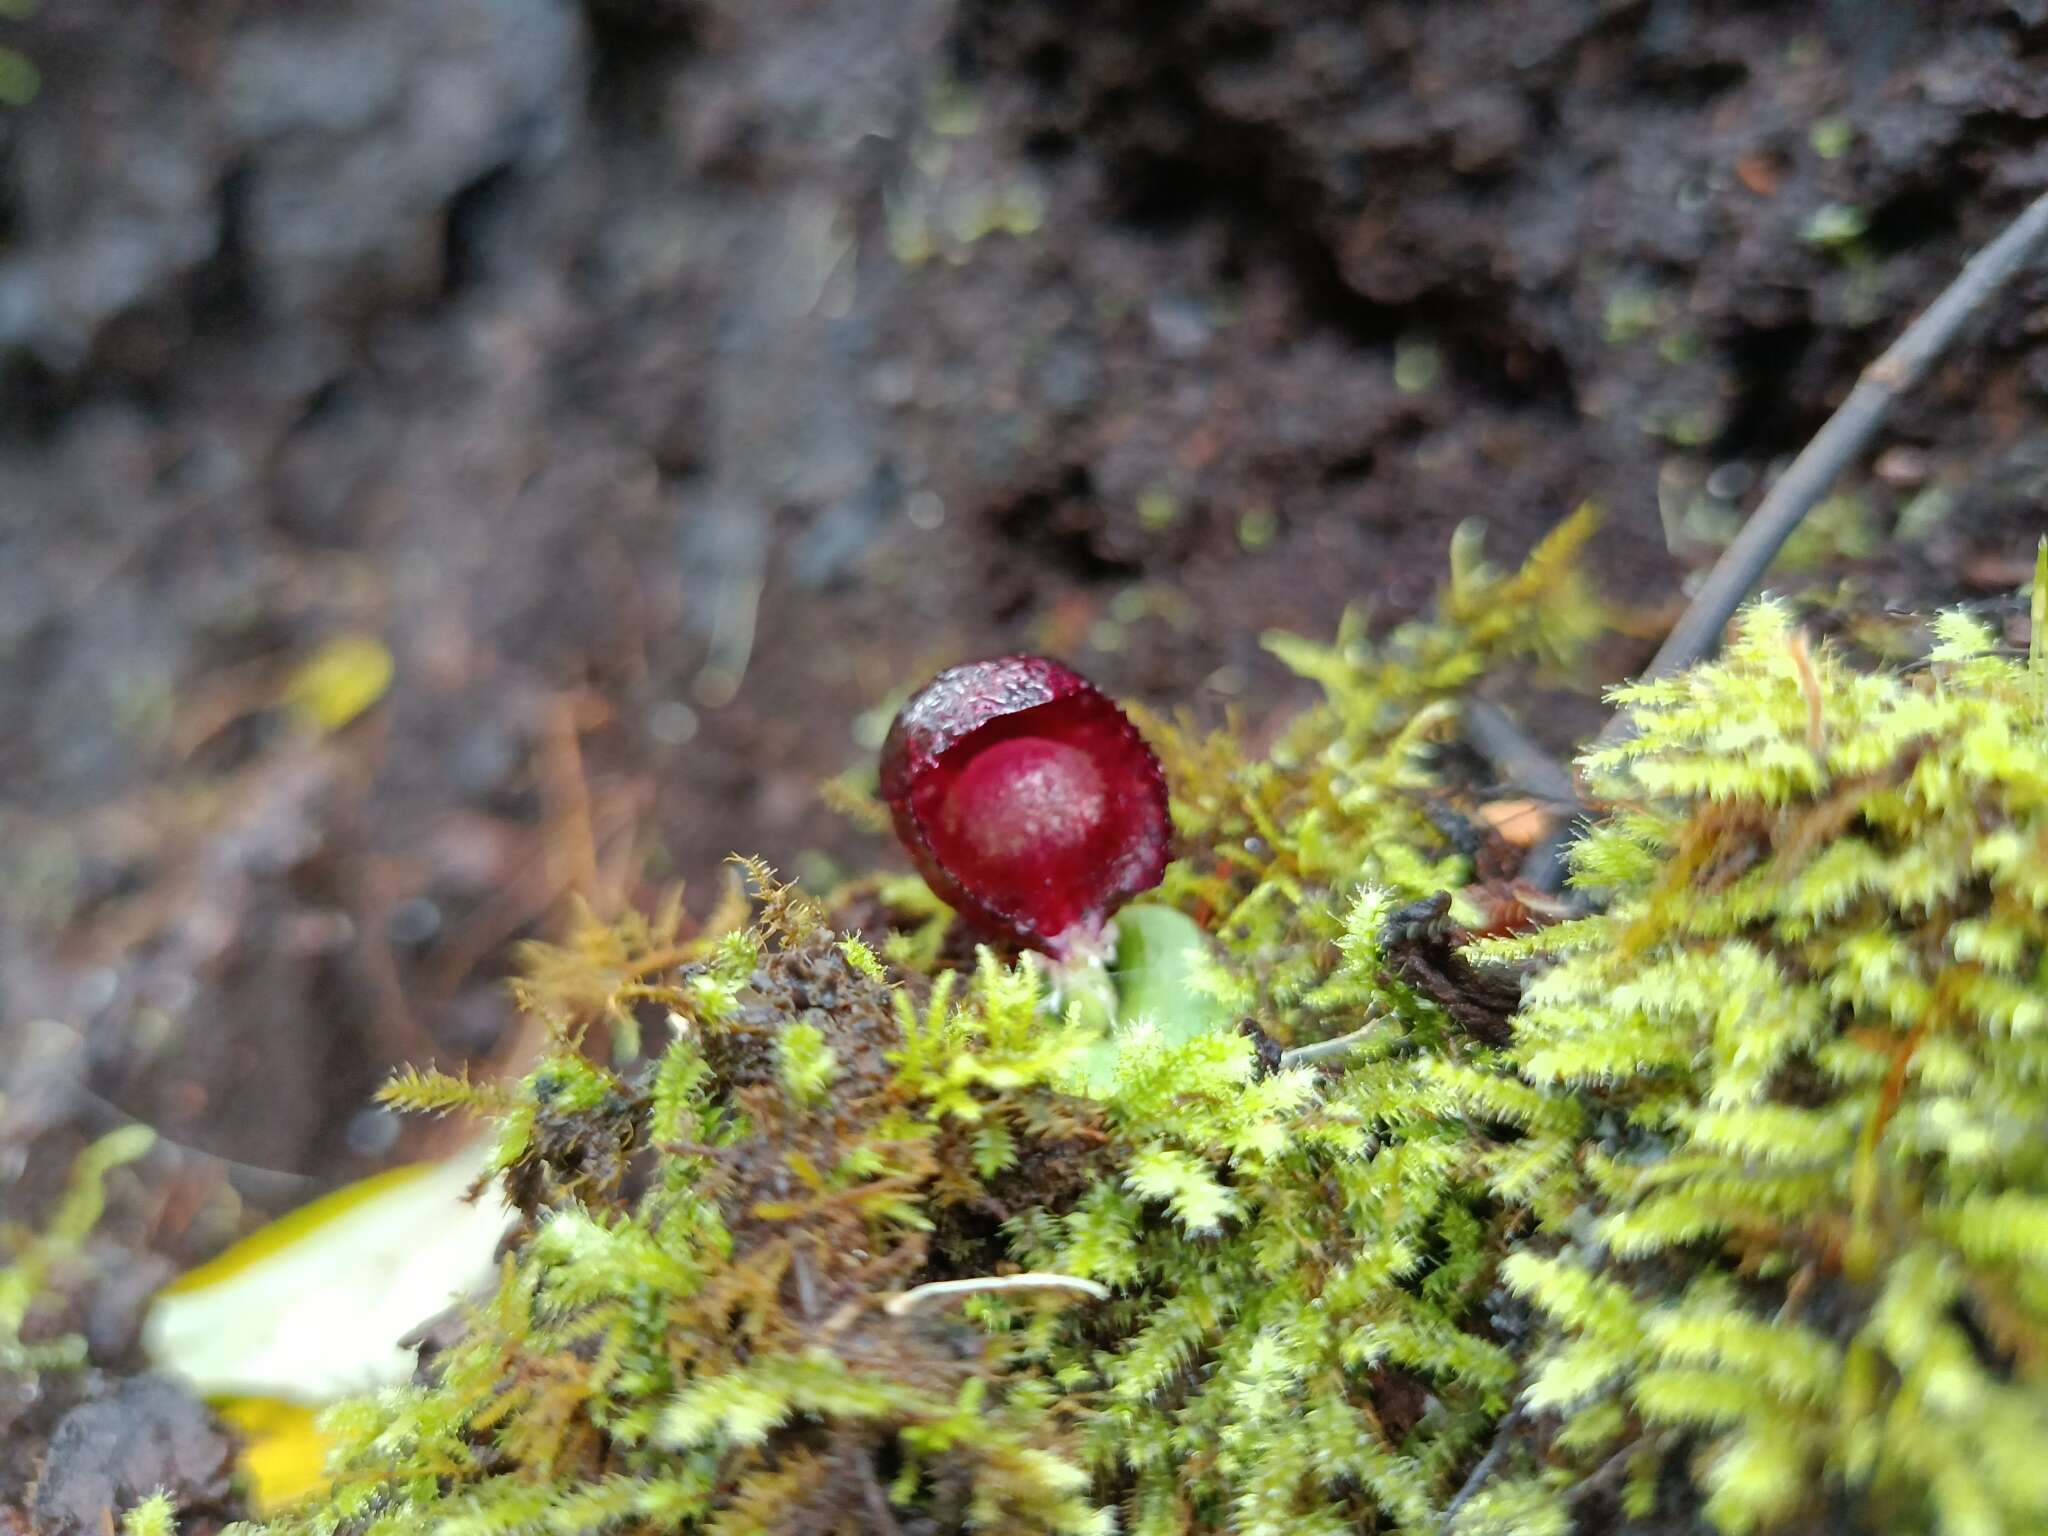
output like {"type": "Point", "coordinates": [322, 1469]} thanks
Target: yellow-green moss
{"type": "Point", "coordinates": [1755, 1203]}
{"type": "Point", "coordinates": [1795, 1229]}
{"type": "Point", "coordinates": [36, 1257]}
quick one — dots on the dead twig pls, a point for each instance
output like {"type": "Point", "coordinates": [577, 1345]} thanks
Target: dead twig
{"type": "Point", "coordinates": [881, 1518]}
{"type": "Point", "coordinates": [1809, 687]}
{"type": "Point", "coordinates": [806, 1283]}
{"type": "Point", "coordinates": [906, 1301]}
{"type": "Point", "coordinates": [1522, 763]}
{"type": "Point", "coordinates": [567, 793]}
{"type": "Point", "coordinates": [1516, 757]}
{"type": "Point", "coordinates": [1325, 1050]}
{"type": "Point", "coordinates": [1846, 434]}
{"type": "Point", "coordinates": [1608, 1473]}
{"type": "Point", "coordinates": [1503, 1437]}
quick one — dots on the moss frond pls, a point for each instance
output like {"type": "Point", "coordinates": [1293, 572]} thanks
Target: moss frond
{"type": "Point", "coordinates": [1811, 1022]}
{"type": "Point", "coordinates": [154, 1516]}
{"type": "Point", "coordinates": [35, 1256]}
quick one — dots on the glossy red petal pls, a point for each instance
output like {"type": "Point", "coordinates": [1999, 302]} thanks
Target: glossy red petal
{"type": "Point", "coordinates": [1030, 803]}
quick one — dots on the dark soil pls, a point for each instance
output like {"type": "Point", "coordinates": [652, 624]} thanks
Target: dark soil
{"type": "Point", "coordinates": [110, 1444]}
{"type": "Point", "coordinates": [671, 383]}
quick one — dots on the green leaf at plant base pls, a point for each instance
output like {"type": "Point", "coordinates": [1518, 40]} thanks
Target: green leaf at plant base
{"type": "Point", "coordinates": [1159, 955]}
{"type": "Point", "coordinates": [1156, 979]}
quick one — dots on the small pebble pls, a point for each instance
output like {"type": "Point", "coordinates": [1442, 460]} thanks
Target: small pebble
{"type": "Point", "coordinates": [1731, 481]}
{"type": "Point", "coordinates": [372, 1132]}
{"type": "Point", "coordinates": [672, 722]}
{"type": "Point", "coordinates": [413, 921]}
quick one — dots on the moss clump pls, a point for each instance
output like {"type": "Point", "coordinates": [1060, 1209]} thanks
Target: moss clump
{"type": "Point", "coordinates": [1795, 1223]}
{"type": "Point", "coordinates": [707, 1326]}
{"type": "Point", "coordinates": [1745, 1215]}
{"type": "Point", "coordinates": [1280, 848]}
{"type": "Point", "coordinates": [1303, 1337]}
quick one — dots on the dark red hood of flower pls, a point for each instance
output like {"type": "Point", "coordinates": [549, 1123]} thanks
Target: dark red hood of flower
{"type": "Point", "coordinates": [1031, 805]}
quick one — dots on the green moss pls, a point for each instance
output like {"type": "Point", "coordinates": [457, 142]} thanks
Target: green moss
{"type": "Point", "coordinates": [36, 1259]}
{"type": "Point", "coordinates": [154, 1516]}
{"type": "Point", "coordinates": [1752, 1209]}
{"type": "Point", "coordinates": [1797, 1221]}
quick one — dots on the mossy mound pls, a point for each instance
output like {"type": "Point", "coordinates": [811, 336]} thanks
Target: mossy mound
{"type": "Point", "coordinates": [1794, 1219]}
{"type": "Point", "coordinates": [1745, 1220]}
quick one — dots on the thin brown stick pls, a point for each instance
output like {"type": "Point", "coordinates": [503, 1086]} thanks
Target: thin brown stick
{"type": "Point", "coordinates": [1846, 434]}
{"type": "Point", "coordinates": [907, 1301]}
{"type": "Point", "coordinates": [1503, 1436]}
{"type": "Point", "coordinates": [1323, 1050]}
{"type": "Point", "coordinates": [1610, 1471]}
{"type": "Point", "coordinates": [1809, 685]}
{"type": "Point", "coordinates": [568, 790]}
{"type": "Point", "coordinates": [881, 1518]}
{"type": "Point", "coordinates": [1515, 755]}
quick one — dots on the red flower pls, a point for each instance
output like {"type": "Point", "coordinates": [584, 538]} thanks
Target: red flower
{"type": "Point", "coordinates": [1031, 805]}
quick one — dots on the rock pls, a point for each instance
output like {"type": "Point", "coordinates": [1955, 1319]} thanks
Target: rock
{"type": "Point", "coordinates": [112, 1452]}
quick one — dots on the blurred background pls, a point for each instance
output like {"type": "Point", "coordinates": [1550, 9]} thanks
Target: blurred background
{"type": "Point", "coordinates": [460, 454]}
